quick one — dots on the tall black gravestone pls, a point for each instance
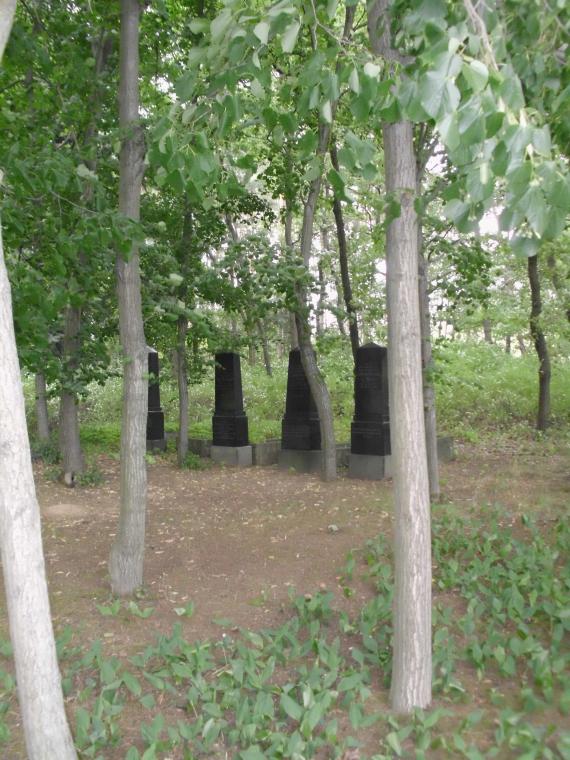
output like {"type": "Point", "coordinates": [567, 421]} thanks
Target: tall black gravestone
{"type": "Point", "coordinates": [300, 429]}
{"type": "Point", "coordinates": [229, 423]}
{"type": "Point", "coordinates": [370, 429]}
{"type": "Point", "coordinates": [155, 418]}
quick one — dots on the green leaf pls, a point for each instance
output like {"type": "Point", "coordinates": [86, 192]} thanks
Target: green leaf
{"type": "Point", "coordinates": [476, 74]}
{"type": "Point", "coordinates": [394, 743]}
{"type": "Point", "coordinates": [132, 683]}
{"type": "Point", "coordinates": [354, 81]}
{"type": "Point", "coordinates": [292, 708]}
{"type": "Point", "coordinates": [252, 753]}
{"type": "Point", "coordinates": [541, 141]}
{"type": "Point", "coordinates": [326, 112]}
{"type": "Point", "coordinates": [525, 247]}
{"type": "Point", "coordinates": [371, 70]}
{"type": "Point", "coordinates": [261, 31]}
{"type": "Point", "coordinates": [289, 37]}
{"type": "Point", "coordinates": [199, 25]}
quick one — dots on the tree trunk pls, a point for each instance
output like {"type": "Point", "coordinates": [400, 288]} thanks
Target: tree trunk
{"type": "Point", "coordinates": [412, 659]}
{"type": "Point", "coordinates": [182, 376]}
{"type": "Point", "coordinates": [522, 345]}
{"type": "Point", "coordinates": [127, 553]}
{"type": "Point", "coordinates": [343, 262]}
{"type": "Point", "coordinates": [411, 672]}
{"type": "Point", "coordinates": [38, 680]}
{"type": "Point", "coordinates": [543, 415]}
{"type": "Point", "coordinates": [69, 441]}
{"type": "Point", "coordinates": [508, 344]}
{"type": "Point", "coordinates": [7, 10]}
{"type": "Point", "coordinates": [321, 302]}
{"type": "Point", "coordinates": [42, 416]}
{"type": "Point", "coordinates": [265, 346]}
{"type": "Point", "coordinates": [487, 331]}
{"type": "Point", "coordinates": [430, 418]}
{"type": "Point", "coordinates": [314, 376]}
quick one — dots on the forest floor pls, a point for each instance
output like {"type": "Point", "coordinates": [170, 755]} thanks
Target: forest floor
{"type": "Point", "coordinates": [234, 542]}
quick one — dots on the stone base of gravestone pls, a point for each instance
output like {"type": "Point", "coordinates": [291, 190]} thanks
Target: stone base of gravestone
{"type": "Point", "coordinates": [310, 461]}
{"type": "Point", "coordinates": [160, 445]}
{"type": "Point", "coordinates": [369, 466]}
{"type": "Point", "coordinates": [266, 453]}
{"type": "Point", "coordinates": [238, 456]}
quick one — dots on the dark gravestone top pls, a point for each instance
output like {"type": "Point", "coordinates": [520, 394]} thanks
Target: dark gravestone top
{"type": "Point", "coordinates": [370, 429]}
{"type": "Point", "coordinates": [155, 417]}
{"type": "Point", "coordinates": [229, 423]}
{"type": "Point", "coordinates": [300, 429]}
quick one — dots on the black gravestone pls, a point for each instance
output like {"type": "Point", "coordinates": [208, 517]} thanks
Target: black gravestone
{"type": "Point", "coordinates": [155, 416]}
{"type": "Point", "coordinates": [229, 423]}
{"type": "Point", "coordinates": [300, 428]}
{"type": "Point", "coordinates": [370, 429]}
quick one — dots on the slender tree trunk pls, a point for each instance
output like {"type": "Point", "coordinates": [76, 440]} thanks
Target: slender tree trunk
{"type": "Point", "coordinates": [69, 441]}
{"type": "Point", "coordinates": [38, 680]}
{"type": "Point", "coordinates": [321, 302]}
{"type": "Point", "coordinates": [543, 414]}
{"type": "Point", "coordinates": [508, 344]}
{"type": "Point", "coordinates": [430, 418]}
{"type": "Point", "coordinates": [265, 346]}
{"type": "Point", "coordinates": [487, 331]}
{"type": "Point", "coordinates": [185, 255]}
{"type": "Point", "coordinates": [127, 554]}
{"type": "Point", "coordinates": [412, 660]}
{"type": "Point", "coordinates": [313, 374]}
{"type": "Point", "coordinates": [182, 377]}
{"type": "Point", "coordinates": [42, 416]}
{"type": "Point", "coordinates": [522, 345]}
{"type": "Point", "coordinates": [343, 263]}
{"type": "Point", "coordinates": [411, 672]}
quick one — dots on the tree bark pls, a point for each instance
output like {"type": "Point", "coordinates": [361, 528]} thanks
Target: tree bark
{"type": "Point", "coordinates": [539, 339]}
{"type": "Point", "coordinates": [430, 417]}
{"type": "Point", "coordinates": [69, 441]}
{"type": "Point", "coordinates": [182, 377]}
{"type": "Point", "coordinates": [42, 416]}
{"type": "Point", "coordinates": [487, 331]}
{"type": "Point", "coordinates": [127, 553]}
{"type": "Point", "coordinates": [313, 374]}
{"type": "Point", "coordinates": [265, 347]}
{"type": "Point", "coordinates": [508, 344]}
{"type": "Point", "coordinates": [7, 10]}
{"type": "Point", "coordinates": [321, 302]}
{"type": "Point", "coordinates": [343, 263]}
{"type": "Point", "coordinates": [412, 660]}
{"type": "Point", "coordinates": [522, 346]}
{"type": "Point", "coordinates": [38, 680]}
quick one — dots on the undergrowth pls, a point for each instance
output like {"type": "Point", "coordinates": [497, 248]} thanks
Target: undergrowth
{"type": "Point", "coordinates": [318, 682]}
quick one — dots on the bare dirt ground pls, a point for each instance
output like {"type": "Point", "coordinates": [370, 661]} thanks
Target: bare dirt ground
{"type": "Point", "coordinates": [234, 541]}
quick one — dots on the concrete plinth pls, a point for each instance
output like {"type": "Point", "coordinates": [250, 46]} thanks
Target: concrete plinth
{"type": "Point", "coordinates": [239, 456]}
{"type": "Point", "coordinates": [369, 467]}
{"type": "Point", "coordinates": [267, 452]}
{"type": "Point", "coordinates": [200, 446]}
{"type": "Point", "coordinates": [159, 445]}
{"type": "Point", "coordinates": [300, 460]}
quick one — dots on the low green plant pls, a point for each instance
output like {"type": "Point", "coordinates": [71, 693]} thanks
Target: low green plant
{"type": "Point", "coordinates": [194, 462]}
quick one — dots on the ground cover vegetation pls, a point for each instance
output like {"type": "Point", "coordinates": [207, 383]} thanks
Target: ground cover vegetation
{"type": "Point", "coordinates": [206, 176]}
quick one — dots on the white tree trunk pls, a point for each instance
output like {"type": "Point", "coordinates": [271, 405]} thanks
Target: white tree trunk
{"type": "Point", "coordinates": [7, 9]}
{"type": "Point", "coordinates": [42, 417]}
{"type": "Point", "coordinates": [46, 731]}
{"type": "Point", "coordinates": [127, 553]}
{"type": "Point", "coordinates": [412, 666]}
{"type": "Point", "coordinates": [427, 369]}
